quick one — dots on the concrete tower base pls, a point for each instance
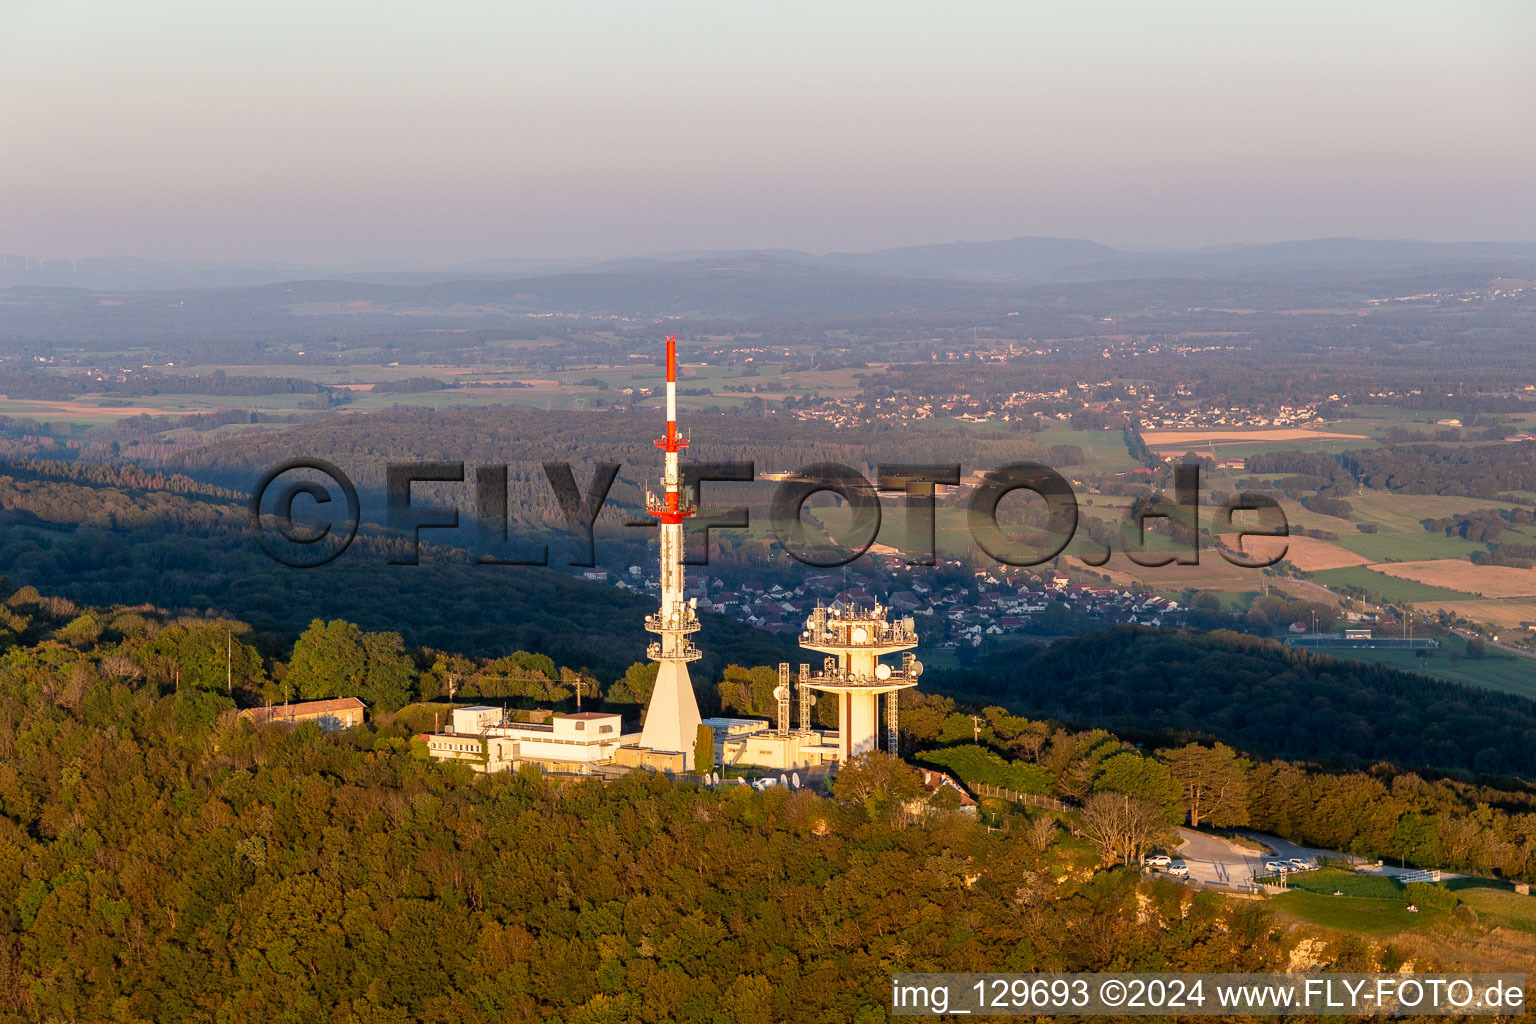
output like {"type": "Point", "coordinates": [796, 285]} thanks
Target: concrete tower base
{"type": "Point", "coordinates": [672, 717]}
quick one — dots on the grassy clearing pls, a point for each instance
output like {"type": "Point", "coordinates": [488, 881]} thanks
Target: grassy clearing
{"type": "Point", "coordinates": [1501, 908]}
{"type": "Point", "coordinates": [1350, 883]}
{"type": "Point", "coordinates": [1103, 450]}
{"type": "Point", "coordinates": [1357, 914]}
{"type": "Point", "coordinates": [1400, 546]}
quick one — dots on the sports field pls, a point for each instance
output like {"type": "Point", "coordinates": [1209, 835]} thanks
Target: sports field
{"type": "Point", "coordinates": [1504, 673]}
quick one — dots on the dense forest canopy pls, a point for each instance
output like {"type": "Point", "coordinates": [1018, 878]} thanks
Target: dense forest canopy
{"type": "Point", "coordinates": [161, 858]}
{"type": "Point", "coordinates": [1262, 696]}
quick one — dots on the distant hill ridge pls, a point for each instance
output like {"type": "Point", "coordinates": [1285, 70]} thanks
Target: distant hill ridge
{"type": "Point", "coordinates": [1024, 260]}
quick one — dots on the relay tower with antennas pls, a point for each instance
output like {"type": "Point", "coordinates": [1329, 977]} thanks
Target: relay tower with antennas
{"type": "Point", "coordinates": [672, 717]}
{"type": "Point", "coordinates": [854, 639]}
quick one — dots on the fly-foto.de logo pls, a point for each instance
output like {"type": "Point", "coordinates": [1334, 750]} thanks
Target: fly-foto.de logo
{"type": "Point", "coordinates": [306, 512]}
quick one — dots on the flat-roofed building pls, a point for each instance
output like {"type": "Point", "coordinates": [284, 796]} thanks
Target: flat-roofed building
{"type": "Point", "coordinates": [473, 720]}
{"type": "Point", "coordinates": [752, 741]}
{"type": "Point", "coordinates": [769, 749]}
{"type": "Point", "coordinates": [575, 743]}
{"type": "Point", "coordinates": [330, 715]}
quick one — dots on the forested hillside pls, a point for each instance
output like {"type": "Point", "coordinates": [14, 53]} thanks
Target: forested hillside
{"type": "Point", "coordinates": [113, 536]}
{"type": "Point", "coordinates": [362, 444]}
{"type": "Point", "coordinates": [1260, 696]}
{"type": "Point", "coordinates": [161, 859]}
{"type": "Point", "coordinates": [108, 536]}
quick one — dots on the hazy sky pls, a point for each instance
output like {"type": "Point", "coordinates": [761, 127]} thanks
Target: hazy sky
{"type": "Point", "coordinates": [372, 132]}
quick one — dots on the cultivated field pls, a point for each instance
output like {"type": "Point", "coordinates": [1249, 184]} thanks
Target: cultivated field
{"type": "Point", "coordinates": [98, 410]}
{"type": "Point", "coordinates": [1395, 589]}
{"type": "Point", "coordinates": [1455, 574]}
{"type": "Point", "coordinates": [1229, 435]}
{"type": "Point", "coordinates": [1503, 614]}
{"type": "Point", "coordinates": [1213, 573]}
{"type": "Point", "coordinates": [1306, 553]}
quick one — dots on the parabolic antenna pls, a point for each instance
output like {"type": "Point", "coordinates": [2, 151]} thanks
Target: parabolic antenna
{"type": "Point", "coordinates": [882, 671]}
{"type": "Point", "coordinates": [781, 693]}
{"type": "Point", "coordinates": [794, 780]}
{"type": "Point", "coordinates": [860, 635]}
{"type": "Point", "coordinates": [916, 669]}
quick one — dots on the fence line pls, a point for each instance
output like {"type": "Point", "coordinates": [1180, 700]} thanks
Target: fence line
{"type": "Point", "coordinates": [1028, 799]}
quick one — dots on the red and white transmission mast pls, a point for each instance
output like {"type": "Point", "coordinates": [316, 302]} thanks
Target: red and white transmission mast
{"type": "Point", "coordinates": [672, 718]}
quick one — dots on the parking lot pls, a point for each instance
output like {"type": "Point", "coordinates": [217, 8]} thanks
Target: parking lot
{"type": "Point", "coordinates": [1213, 860]}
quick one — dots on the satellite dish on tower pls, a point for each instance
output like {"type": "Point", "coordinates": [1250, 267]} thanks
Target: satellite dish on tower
{"type": "Point", "coordinates": [781, 693]}
{"type": "Point", "coordinates": [794, 780]}
{"type": "Point", "coordinates": [916, 669]}
{"type": "Point", "coordinates": [882, 671]}
{"type": "Point", "coordinates": [860, 635]}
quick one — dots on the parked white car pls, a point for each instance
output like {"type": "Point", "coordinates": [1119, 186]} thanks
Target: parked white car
{"type": "Point", "coordinates": [1178, 869]}
{"type": "Point", "coordinates": [1279, 865]}
{"type": "Point", "coordinates": [1157, 860]}
{"type": "Point", "coordinates": [1299, 864]}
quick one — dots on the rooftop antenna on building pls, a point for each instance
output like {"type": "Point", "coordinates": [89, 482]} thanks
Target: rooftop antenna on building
{"type": "Point", "coordinates": [807, 698]}
{"type": "Point", "coordinates": [781, 695]}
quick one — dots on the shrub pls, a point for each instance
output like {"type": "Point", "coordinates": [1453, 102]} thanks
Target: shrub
{"type": "Point", "coordinates": [1425, 894]}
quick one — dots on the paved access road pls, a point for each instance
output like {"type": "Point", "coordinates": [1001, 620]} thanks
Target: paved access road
{"type": "Point", "coordinates": [1217, 861]}
{"type": "Point", "coordinates": [1286, 850]}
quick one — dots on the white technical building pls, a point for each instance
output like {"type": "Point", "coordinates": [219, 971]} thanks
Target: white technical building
{"type": "Point", "coordinates": [576, 743]}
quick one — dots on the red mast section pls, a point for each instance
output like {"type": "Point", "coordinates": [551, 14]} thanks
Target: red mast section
{"type": "Point", "coordinates": [672, 509]}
